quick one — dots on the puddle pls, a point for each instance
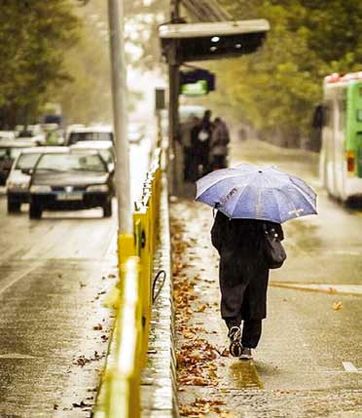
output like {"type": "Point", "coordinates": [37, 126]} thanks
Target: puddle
{"type": "Point", "coordinates": [243, 375]}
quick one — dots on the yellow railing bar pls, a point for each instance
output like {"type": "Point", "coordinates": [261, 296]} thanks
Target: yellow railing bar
{"type": "Point", "coordinates": [122, 381]}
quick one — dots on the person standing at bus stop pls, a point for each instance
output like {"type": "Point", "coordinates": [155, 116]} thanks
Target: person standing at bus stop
{"type": "Point", "coordinates": [187, 132]}
{"type": "Point", "coordinates": [201, 144]}
{"type": "Point", "coordinates": [220, 139]}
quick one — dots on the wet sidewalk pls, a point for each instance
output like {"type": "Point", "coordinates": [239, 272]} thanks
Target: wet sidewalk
{"type": "Point", "coordinates": [286, 378]}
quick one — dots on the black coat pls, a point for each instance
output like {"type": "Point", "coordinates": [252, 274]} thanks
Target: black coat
{"type": "Point", "coordinates": [243, 270]}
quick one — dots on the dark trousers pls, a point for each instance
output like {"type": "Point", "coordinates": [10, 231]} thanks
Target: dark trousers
{"type": "Point", "coordinates": [218, 161]}
{"type": "Point", "coordinates": [188, 164]}
{"type": "Point", "coordinates": [251, 331]}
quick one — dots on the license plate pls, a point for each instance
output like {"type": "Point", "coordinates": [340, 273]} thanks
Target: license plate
{"type": "Point", "coordinates": [69, 196]}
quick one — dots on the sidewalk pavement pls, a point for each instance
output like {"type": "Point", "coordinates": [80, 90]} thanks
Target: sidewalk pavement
{"type": "Point", "coordinates": [284, 380]}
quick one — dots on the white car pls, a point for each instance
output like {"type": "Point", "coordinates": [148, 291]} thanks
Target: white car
{"type": "Point", "coordinates": [33, 133]}
{"type": "Point", "coordinates": [18, 181]}
{"type": "Point", "coordinates": [136, 132]}
{"type": "Point", "coordinates": [89, 133]}
{"type": "Point", "coordinates": [7, 135]}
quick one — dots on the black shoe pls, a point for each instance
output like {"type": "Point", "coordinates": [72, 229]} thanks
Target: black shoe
{"type": "Point", "coordinates": [235, 341]}
{"type": "Point", "coordinates": [246, 354]}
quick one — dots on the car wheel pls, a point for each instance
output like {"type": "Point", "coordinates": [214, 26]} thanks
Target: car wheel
{"type": "Point", "coordinates": [107, 209]}
{"type": "Point", "coordinates": [35, 211]}
{"type": "Point", "coordinates": [13, 206]}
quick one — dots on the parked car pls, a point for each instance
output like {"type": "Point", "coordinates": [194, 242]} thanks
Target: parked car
{"type": "Point", "coordinates": [70, 181]}
{"type": "Point", "coordinates": [9, 150]}
{"type": "Point", "coordinates": [89, 133]}
{"type": "Point", "coordinates": [18, 181]}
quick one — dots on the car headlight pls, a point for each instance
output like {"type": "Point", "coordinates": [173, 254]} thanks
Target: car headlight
{"type": "Point", "coordinates": [17, 186]}
{"type": "Point", "coordinates": [40, 188]}
{"type": "Point", "coordinates": [98, 188]}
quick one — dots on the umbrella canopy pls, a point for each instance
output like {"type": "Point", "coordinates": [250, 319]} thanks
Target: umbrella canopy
{"type": "Point", "coordinates": [251, 192]}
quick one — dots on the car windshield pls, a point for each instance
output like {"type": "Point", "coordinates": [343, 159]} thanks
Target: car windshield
{"type": "Point", "coordinates": [71, 162]}
{"type": "Point", "coordinates": [27, 161]}
{"type": "Point", "coordinates": [106, 155]}
{"type": "Point", "coordinates": [90, 136]}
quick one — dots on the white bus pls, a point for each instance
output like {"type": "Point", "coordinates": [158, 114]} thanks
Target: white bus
{"type": "Point", "coordinates": [341, 153]}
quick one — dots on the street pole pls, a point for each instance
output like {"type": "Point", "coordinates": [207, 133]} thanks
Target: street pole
{"type": "Point", "coordinates": [173, 102]}
{"type": "Point", "coordinates": [119, 86]}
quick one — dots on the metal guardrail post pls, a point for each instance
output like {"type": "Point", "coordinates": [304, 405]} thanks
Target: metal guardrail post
{"type": "Point", "coordinates": [141, 219]}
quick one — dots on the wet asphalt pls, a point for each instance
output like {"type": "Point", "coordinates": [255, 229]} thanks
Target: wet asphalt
{"type": "Point", "coordinates": [309, 360]}
{"type": "Point", "coordinates": [55, 274]}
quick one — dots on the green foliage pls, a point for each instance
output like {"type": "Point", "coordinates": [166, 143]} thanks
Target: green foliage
{"type": "Point", "coordinates": [34, 35]}
{"type": "Point", "coordinates": [87, 98]}
{"type": "Point", "coordinates": [276, 89]}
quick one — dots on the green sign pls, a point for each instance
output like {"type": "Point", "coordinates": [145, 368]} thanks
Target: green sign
{"type": "Point", "coordinates": [195, 89]}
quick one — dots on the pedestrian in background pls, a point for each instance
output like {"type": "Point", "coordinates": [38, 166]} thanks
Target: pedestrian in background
{"type": "Point", "coordinates": [187, 132]}
{"type": "Point", "coordinates": [243, 275]}
{"type": "Point", "coordinates": [201, 144]}
{"type": "Point", "coordinates": [220, 139]}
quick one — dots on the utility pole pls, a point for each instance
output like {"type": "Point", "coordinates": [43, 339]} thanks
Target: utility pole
{"type": "Point", "coordinates": [119, 86]}
{"type": "Point", "coordinates": [173, 101]}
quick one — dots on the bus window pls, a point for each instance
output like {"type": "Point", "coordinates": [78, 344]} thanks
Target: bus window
{"type": "Point", "coordinates": [342, 112]}
{"type": "Point", "coordinates": [359, 115]}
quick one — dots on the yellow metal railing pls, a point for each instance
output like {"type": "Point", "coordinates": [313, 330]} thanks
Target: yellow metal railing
{"type": "Point", "coordinates": [120, 386]}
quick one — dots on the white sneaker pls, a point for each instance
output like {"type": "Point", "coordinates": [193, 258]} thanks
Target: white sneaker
{"type": "Point", "coordinates": [246, 354]}
{"type": "Point", "coordinates": [235, 347]}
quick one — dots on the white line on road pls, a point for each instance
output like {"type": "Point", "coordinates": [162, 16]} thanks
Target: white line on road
{"type": "Point", "coordinates": [16, 356]}
{"type": "Point", "coordinates": [350, 367]}
{"type": "Point", "coordinates": [18, 277]}
{"type": "Point", "coordinates": [353, 289]}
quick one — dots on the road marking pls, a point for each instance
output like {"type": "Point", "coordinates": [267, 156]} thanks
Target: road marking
{"type": "Point", "coordinates": [346, 289]}
{"type": "Point", "coordinates": [18, 277]}
{"type": "Point", "coordinates": [350, 367]}
{"type": "Point", "coordinates": [16, 356]}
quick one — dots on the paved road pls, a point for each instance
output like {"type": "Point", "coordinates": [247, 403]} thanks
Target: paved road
{"type": "Point", "coordinates": [309, 361]}
{"type": "Point", "coordinates": [54, 275]}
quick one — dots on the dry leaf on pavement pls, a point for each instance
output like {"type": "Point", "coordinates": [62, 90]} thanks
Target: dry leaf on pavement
{"type": "Point", "coordinates": [337, 305]}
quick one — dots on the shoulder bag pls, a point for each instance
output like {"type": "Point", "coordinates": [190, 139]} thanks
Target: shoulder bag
{"type": "Point", "coordinates": [274, 251]}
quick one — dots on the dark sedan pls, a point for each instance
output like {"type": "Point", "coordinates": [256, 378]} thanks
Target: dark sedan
{"type": "Point", "coordinates": [70, 181]}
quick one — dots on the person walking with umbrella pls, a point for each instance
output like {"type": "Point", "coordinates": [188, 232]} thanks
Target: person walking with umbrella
{"type": "Point", "coordinates": [252, 203]}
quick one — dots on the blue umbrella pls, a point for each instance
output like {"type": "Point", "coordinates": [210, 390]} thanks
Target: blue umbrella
{"type": "Point", "coordinates": [251, 192]}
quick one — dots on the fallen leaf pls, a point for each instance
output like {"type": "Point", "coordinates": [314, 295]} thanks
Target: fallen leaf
{"type": "Point", "coordinates": [337, 306]}
{"type": "Point", "coordinates": [81, 405]}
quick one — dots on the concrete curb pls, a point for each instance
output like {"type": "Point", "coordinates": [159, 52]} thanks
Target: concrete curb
{"type": "Point", "coordinates": [158, 388]}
